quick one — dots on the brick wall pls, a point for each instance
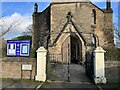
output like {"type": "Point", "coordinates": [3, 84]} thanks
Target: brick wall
{"type": "Point", "coordinates": [12, 69]}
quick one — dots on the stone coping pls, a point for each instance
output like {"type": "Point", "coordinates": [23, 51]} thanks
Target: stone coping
{"type": "Point", "coordinates": [109, 64]}
{"type": "Point", "coordinates": [18, 59]}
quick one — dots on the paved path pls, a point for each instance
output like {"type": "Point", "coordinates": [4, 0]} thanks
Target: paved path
{"type": "Point", "coordinates": [69, 85]}
{"type": "Point", "coordinates": [78, 79]}
{"type": "Point", "coordinates": [77, 74]}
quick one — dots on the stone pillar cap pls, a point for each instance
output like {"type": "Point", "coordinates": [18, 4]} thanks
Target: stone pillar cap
{"type": "Point", "coordinates": [41, 49]}
{"type": "Point", "coordinates": [99, 50]}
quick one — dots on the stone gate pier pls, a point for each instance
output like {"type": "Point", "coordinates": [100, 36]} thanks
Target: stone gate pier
{"type": "Point", "coordinates": [41, 64]}
{"type": "Point", "coordinates": [99, 67]}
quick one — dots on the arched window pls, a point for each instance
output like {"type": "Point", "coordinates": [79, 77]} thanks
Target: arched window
{"type": "Point", "coordinates": [93, 21]}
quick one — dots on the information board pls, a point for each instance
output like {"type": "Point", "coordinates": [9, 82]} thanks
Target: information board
{"type": "Point", "coordinates": [18, 48]}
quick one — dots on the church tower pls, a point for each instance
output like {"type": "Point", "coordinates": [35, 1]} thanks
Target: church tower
{"type": "Point", "coordinates": [41, 27]}
{"type": "Point", "coordinates": [34, 27]}
{"type": "Point", "coordinates": [108, 25]}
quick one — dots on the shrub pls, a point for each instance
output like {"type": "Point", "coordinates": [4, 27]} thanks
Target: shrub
{"type": "Point", "coordinates": [33, 53]}
{"type": "Point", "coordinates": [24, 38]}
{"type": "Point", "coordinates": [4, 51]}
{"type": "Point", "coordinates": [112, 54]}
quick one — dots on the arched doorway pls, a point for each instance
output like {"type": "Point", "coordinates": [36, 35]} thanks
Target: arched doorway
{"type": "Point", "coordinates": [76, 50]}
{"type": "Point", "coordinates": [72, 50]}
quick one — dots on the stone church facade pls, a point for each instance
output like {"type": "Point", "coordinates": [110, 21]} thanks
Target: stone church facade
{"type": "Point", "coordinates": [68, 29]}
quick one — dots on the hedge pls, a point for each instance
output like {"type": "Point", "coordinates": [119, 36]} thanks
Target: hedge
{"type": "Point", "coordinates": [112, 54]}
{"type": "Point", "coordinates": [33, 53]}
{"type": "Point", "coordinates": [4, 51]}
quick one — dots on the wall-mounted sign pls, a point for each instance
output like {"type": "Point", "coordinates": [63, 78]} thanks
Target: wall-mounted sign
{"type": "Point", "coordinates": [26, 67]}
{"type": "Point", "coordinates": [18, 47]}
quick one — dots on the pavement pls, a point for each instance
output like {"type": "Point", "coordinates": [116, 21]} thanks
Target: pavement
{"type": "Point", "coordinates": [10, 84]}
{"type": "Point", "coordinates": [19, 84]}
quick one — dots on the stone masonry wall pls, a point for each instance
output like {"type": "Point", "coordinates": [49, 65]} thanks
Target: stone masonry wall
{"type": "Point", "coordinates": [108, 30]}
{"type": "Point", "coordinates": [41, 27]}
{"type": "Point", "coordinates": [12, 69]}
{"type": "Point", "coordinates": [82, 12]}
{"type": "Point", "coordinates": [81, 16]}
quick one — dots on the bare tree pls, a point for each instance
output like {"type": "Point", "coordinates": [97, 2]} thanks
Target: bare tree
{"type": "Point", "coordinates": [117, 36]}
{"type": "Point", "coordinates": [8, 27]}
{"type": "Point", "coordinates": [28, 30]}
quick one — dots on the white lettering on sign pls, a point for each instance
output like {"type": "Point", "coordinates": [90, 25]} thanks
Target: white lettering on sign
{"type": "Point", "coordinates": [26, 67]}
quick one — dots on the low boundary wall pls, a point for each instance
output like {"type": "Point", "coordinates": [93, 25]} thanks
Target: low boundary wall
{"type": "Point", "coordinates": [13, 69]}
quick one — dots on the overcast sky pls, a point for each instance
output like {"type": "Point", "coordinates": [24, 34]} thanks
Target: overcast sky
{"type": "Point", "coordinates": [24, 10]}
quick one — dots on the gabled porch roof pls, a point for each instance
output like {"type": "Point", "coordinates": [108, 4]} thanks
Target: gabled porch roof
{"type": "Point", "coordinates": [64, 27]}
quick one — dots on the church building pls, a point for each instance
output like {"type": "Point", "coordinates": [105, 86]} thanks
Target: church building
{"type": "Point", "coordinates": [70, 28]}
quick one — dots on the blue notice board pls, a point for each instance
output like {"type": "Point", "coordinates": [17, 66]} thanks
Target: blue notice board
{"type": "Point", "coordinates": [18, 48]}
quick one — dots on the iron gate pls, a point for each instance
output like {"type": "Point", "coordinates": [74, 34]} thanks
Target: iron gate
{"type": "Point", "coordinates": [56, 70]}
{"type": "Point", "coordinates": [89, 64]}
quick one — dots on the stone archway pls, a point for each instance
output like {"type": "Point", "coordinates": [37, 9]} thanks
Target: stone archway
{"type": "Point", "coordinates": [72, 49]}
{"type": "Point", "coordinates": [76, 50]}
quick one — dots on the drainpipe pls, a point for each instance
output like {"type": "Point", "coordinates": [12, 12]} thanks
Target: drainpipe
{"type": "Point", "coordinates": [96, 37]}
